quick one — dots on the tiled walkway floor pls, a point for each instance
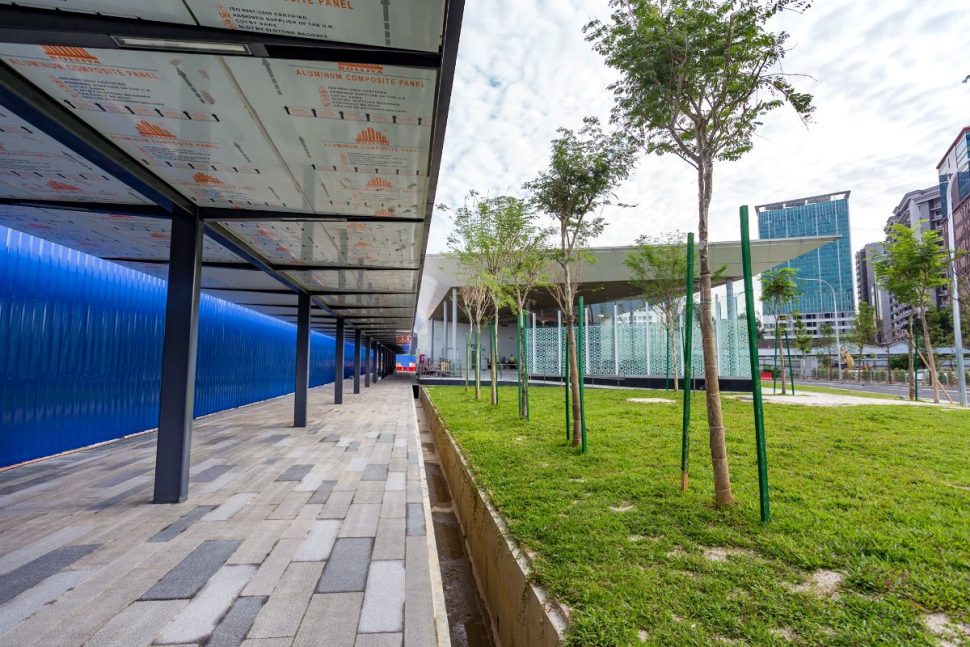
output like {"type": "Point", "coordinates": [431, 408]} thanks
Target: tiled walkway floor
{"type": "Point", "coordinates": [290, 537]}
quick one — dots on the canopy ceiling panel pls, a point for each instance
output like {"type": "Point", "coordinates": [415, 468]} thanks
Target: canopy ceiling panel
{"type": "Point", "coordinates": [34, 165]}
{"type": "Point", "coordinates": [387, 280]}
{"type": "Point", "coordinates": [405, 24]}
{"type": "Point", "coordinates": [305, 136]}
{"type": "Point", "coordinates": [329, 138]}
{"type": "Point", "coordinates": [104, 235]}
{"type": "Point", "coordinates": [376, 300]}
{"type": "Point", "coordinates": [337, 243]}
{"type": "Point", "coordinates": [215, 277]}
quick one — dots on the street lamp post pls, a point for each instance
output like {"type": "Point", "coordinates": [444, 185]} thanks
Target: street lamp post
{"type": "Point", "coordinates": [835, 313]}
{"type": "Point", "coordinates": [955, 297]}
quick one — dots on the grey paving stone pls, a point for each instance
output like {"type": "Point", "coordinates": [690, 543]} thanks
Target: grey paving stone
{"type": "Point", "coordinates": [282, 615]}
{"type": "Point", "coordinates": [385, 438]}
{"type": "Point", "coordinates": [383, 609]}
{"type": "Point", "coordinates": [374, 472]}
{"type": "Point", "coordinates": [379, 640]}
{"type": "Point", "coordinates": [419, 625]}
{"type": "Point", "coordinates": [337, 505]}
{"type": "Point", "coordinates": [34, 572]}
{"type": "Point", "coordinates": [294, 473]}
{"type": "Point", "coordinates": [230, 507]}
{"type": "Point", "coordinates": [346, 569]}
{"type": "Point", "coordinates": [361, 520]}
{"type": "Point", "coordinates": [396, 481]}
{"type": "Point", "coordinates": [319, 541]}
{"type": "Point", "coordinates": [42, 546]}
{"type": "Point", "coordinates": [274, 438]}
{"type": "Point", "coordinates": [268, 642]}
{"type": "Point", "coordinates": [211, 474]}
{"type": "Point", "coordinates": [353, 447]}
{"type": "Point", "coordinates": [394, 505]}
{"type": "Point", "coordinates": [389, 543]}
{"type": "Point", "coordinates": [272, 568]}
{"type": "Point", "coordinates": [235, 625]}
{"type": "Point", "coordinates": [199, 618]}
{"type": "Point", "coordinates": [118, 498]}
{"type": "Point", "coordinates": [137, 625]}
{"type": "Point", "coordinates": [333, 615]}
{"type": "Point", "coordinates": [174, 529]}
{"type": "Point", "coordinates": [30, 601]}
{"type": "Point", "coordinates": [118, 479]}
{"type": "Point", "coordinates": [323, 492]}
{"type": "Point", "coordinates": [415, 520]}
{"type": "Point", "coordinates": [193, 571]}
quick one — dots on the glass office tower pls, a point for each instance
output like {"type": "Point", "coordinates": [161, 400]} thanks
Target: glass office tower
{"type": "Point", "coordinates": [829, 265]}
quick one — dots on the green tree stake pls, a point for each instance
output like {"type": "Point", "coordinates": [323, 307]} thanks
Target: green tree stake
{"type": "Point", "coordinates": [467, 362]}
{"type": "Point", "coordinates": [518, 360]}
{"type": "Point", "coordinates": [565, 364]}
{"type": "Point", "coordinates": [581, 361]}
{"type": "Point", "coordinates": [688, 356]}
{"type": "Point", "coordinates": [667, 377]}
{"type": "Point", "coordinates": [525, 366]}
{"type": "Point", "coordinates": [774, 363]}
{"type": "Point", "coordinates": [759, 415]}
{"type": "Point", "coordinates": [791, 373]}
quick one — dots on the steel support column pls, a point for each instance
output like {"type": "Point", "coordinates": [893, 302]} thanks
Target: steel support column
{"type": "Point", "coordinates": [338, 368]}
{"type": "Point", "coordinates": [367, 345]}
{"type": "Point", "coordinates": [357, 351]}
{"type": "Point", "coordinates": [177, 397]}
{"type": "Point", "coordinates": [302, 382]}
{"type": "Point", "coordinates": [373, 365]}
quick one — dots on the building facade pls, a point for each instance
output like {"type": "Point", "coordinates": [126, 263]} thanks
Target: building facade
{"type": "Point", "coordinates": [922, 211]}
{"type": "Point", "coordinates": [824, 275]}
{"type": "Point", "coordinates": [868, 289]}
{"type": "Point", "coordinates": [955, 165]}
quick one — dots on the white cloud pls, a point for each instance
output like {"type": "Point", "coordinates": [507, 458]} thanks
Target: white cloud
{"type": "Point", "coordinates": [886, 75]}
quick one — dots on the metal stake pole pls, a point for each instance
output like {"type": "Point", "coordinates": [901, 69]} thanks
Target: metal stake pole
{"type": "Point", "coordinates": [582, 374]}
{"type": "Point", "coordinates": [955, 300]}
{"type": "Point", "coordinates": [759, 416]}
{"type": "Point", "coordinates": [688, 352]}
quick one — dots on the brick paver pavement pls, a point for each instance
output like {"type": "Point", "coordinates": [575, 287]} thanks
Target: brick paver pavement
{"type": "Point", "coordinates": [290, 537]}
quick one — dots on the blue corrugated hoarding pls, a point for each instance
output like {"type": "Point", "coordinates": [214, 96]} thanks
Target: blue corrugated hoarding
{"type": "Point", "coordinates": [81, 351]}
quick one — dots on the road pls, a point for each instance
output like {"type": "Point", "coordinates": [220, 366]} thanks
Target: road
{"type": "Point", "coordinates": [925, 392]}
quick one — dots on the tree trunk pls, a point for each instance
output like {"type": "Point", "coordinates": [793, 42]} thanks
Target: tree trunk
{"type": "Point", "coordinates": [912, 364]}
{"type": "Point", "coordinates": [715, 420]}
{"type": "Point", "coordinates": [574, 382]}
{"type": "Point", "coordinates": [930, 360]}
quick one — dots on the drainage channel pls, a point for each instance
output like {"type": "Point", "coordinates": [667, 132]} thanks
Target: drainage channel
{"type": "Point", "coordinates": [467, 621]}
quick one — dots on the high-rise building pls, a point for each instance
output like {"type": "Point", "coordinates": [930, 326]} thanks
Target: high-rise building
{"type": "Point", "coordinates": [825, 275]}
{"type": "Point", "coordinates": [922, 211]}
{"type": "Point", "coordinates": [956, 165]}
{"type": "Point", "coordinates": [869, 291]}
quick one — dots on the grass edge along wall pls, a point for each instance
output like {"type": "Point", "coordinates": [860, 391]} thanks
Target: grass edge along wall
{"type": "Point", "coordinates": [81, 351]}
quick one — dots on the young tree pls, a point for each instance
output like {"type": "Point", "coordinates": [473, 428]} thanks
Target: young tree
{"type": "Point", "coordinates": [696, 79]}
{"type": "Point", "coordinates": [482, 247]}
{"type": "Point", "coordinates": [584, 169]}
{"type": "Point", "coordinates": [526, 269]}
{"type": "Point", "coordinates": [474, 301]}
{"type": "Point", "coordinates": [659, 268]}
{"type": "Point", "coordinates": [826, 340]}
{"type": "Point", "coordinates": [778, 289]}
{"type": "Point", "coordinates": [863, 331]}
{"type": "Point", "coordinates": [803, 340]}
{"type": "Point", "coordinates": [912, 265]}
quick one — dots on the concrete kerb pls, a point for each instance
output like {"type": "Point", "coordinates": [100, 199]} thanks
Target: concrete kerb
{"type": "Point", "coordinates": [521, 612]}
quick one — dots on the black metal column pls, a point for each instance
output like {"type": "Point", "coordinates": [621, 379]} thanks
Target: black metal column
{"type": "Point", "coordinates": [338, 369]}
{"type": "Point", "coordinates": [177, 397]}
{"type": "Point", "coordinates": [367, 345]}
{"type": "Point", "coordinates": [373, 366]}
{"type": "Point", "coordinates": [357, 350]}
{"type": "Point", "coordinates": [302, 360]}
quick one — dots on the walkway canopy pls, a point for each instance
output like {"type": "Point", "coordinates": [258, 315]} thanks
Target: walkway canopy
{"type": "Point", "coordinates": [608, 279]}
{"type": "Point", "coordinates": [281, 155]}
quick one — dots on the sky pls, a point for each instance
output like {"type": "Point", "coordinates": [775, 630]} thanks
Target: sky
{"type": "Point", "coordinates": [886, 76]}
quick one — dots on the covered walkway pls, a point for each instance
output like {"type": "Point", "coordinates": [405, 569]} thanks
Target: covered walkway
{"type": "Point", "coordinates": [291, 536]}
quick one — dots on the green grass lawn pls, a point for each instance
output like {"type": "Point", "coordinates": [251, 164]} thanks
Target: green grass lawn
{"type": "Point", "coordinates": [809, 387]}
{"type": "Point", "coordinates": [880, 494]}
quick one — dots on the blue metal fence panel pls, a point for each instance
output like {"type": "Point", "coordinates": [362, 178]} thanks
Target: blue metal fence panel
{"type": "Point", "coordinates": [81, 350]}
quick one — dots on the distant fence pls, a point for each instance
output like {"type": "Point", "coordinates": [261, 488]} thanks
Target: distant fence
{"type": "Point", "coordinates": [81, 351]}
